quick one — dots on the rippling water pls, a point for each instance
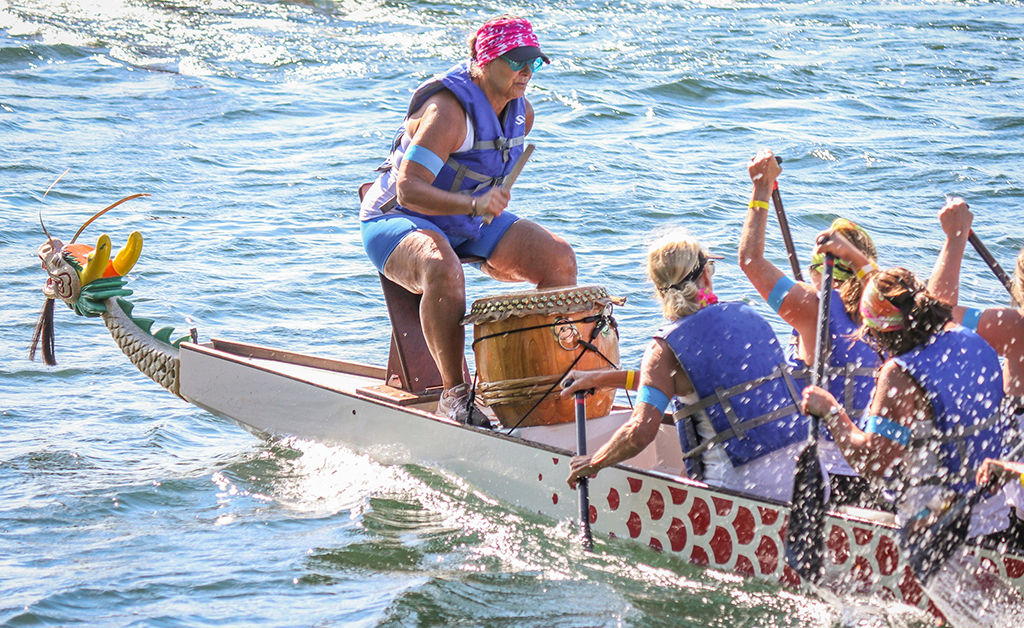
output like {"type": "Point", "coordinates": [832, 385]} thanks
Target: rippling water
{"type": "Point", "coordinates": [252, 123]}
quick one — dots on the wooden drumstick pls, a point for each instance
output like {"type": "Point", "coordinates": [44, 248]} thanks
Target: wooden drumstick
{"type": "Point", "coordinates": [512, 176]}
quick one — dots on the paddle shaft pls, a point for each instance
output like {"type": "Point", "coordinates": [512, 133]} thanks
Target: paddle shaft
{"type": "Point", "coordinates": [805, 534]}
{"type": "Point", "coordinates": [506, 185]}
{"type": "Point", "coordinates": [997, 270]}
{"type": "Point", "coordinates": [581, 450]}
{"type": "Point", "coordinates": [824, 311]}
{"type": "Point", "coordinates": [787, 236]}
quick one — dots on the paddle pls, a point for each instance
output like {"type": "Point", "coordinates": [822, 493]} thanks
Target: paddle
{"type": "Point", "coordinates": [997, 270]}
{"type": "Point", "coordinates": [928, 550]}
{"type": "Point", "coordinates": [805, 532]}
{"type": "Point", "coordinates": [581, 450]}
{"type": "Point", "coordinates": [506, 185]}
{"type": "Point", "coordinates": [787, 237]}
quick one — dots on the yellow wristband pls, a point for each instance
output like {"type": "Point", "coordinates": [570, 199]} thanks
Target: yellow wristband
{"type": "Point", "coordinates": [758, 205]}
{"type": "Point", "coordinates": [630, 375]}
{"type": "Point", "coordinates": [865, 269]}
{"type": "Point", "coordinates": [1022, 479]}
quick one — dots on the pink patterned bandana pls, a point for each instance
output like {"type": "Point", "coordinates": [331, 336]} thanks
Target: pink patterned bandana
{"type": "Point", "coordinates": [877, 312]}
{"type": "Point", "coordinates": [500, 35]}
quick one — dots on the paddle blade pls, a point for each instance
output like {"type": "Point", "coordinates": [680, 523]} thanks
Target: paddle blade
{"type": "Point", "coordinates": [928, 549]}
{"type": "Point", "coordinates": [805, 532]}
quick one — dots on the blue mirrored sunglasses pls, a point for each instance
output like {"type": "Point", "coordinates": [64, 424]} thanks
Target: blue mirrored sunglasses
{"type": "Point", "coordinates": [535, 64]}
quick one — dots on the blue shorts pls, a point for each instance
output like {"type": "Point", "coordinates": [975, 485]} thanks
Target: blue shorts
{"type": "Point", "coordinates": [382, 234]}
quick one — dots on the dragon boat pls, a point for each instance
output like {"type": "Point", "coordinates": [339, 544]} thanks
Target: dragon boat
{"type": "Point", "coordinates": [387, 414]}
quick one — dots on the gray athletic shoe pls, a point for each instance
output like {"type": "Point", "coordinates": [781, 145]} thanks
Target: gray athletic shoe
{"type": "Point", "coordinates": [454, 404]}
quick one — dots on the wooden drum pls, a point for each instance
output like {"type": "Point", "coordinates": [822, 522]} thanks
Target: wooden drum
{"type": "Point", "coordinates": [525, 342]}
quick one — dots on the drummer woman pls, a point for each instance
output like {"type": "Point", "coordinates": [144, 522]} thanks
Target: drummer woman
{"type": "Point", "coordinates": [440, 196]}
{"type": "Point", "coordinates": [935, 413]}
{"type": "Point", "coordinates": [852, 363]}
{"type": "Point", "coordinates": [707, 347]}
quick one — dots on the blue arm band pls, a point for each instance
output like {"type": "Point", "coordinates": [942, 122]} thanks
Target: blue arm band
{"type": "Point", "coordinates": [971, 318]}
{"type": "Point", "coordinates": [424, 157]}
{"type": "Point", "coordinates": [888, 429]}
{"type": "Point", "coordinates": [654, 397]}
{"type": "Point", "coordinates": [779, 292]}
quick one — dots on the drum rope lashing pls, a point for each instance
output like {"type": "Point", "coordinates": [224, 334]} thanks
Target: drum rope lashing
{"type": "Point", "coordinates": [593, 318]}
{"type": "Point", "coordinates": [599, 320]}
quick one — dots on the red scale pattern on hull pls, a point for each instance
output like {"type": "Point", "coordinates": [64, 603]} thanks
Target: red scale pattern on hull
{"type": "Point", "coordinates": [767, 555]}
{"type": "Point", "coordinates": [656, 504]}
{"type": "Point", "coordinates": [721, 546]}
{"type": "Point", "coordinates": [744, 526]}
{"type": "Point", "coordinates": [613, 500]}
{"type": "Point", "coordinates": [887, 554]}
{"type": "Point", "coordinates": [634, 525]}
{"type": "Point", "coordinates": [700, 516]}
{"type": "Point", "coordinates": [699, 556]}
{"type": "Point", "coordinates": [839, 544]}
{"type": "Point", "coordinates": [677, 535]}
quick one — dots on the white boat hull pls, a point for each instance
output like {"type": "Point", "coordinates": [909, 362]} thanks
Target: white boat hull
{"type": "Point", "coordinates": [334, 402]}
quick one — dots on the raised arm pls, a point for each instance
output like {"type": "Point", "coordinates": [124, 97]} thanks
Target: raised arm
{"type": "Point", "coordinates": [796, 303]}
{"type": "Point", "coordinates": [955, 218]}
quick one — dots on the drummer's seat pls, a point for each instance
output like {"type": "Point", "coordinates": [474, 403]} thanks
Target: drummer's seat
{"type": "Point", "coordinates": [410, 365]}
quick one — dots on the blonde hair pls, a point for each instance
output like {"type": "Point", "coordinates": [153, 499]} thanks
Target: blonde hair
{"type": "Point", "coordinates": [669, 259]}
{"type": "Point", "coordinates": [851, 288]}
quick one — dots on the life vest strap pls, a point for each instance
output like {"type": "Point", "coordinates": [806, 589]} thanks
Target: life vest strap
{"type": "Point", "coordinates": [737, 428]}
{"type": "Point", "coordinates": [738, 389]}
{"type": "Point", "coordinates": [463, 172]}
{"type": "Point", "coordinates": [503, 144]}
{"type": "Point", "coordinates": [721, 437]}
{"type": "Point", "coordinates": [959, 438]}
{"type": "Point", "coordinates": [849, 372]}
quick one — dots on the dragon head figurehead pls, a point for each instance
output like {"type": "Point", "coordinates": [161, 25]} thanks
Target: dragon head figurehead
{"type": "Point", "coordinates": [82, 276]}
{"type": "Point", "coordinates": [92, 283]}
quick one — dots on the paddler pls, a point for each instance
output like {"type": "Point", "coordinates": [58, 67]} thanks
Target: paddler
{"type": "Point", "coordinates": [709, 351]}
{"type": "Point", "coordinates": [1001, 327]}
{"type": "Point", "coordinates": [852, 363]}
{"type": "Point", "coordinates": [439, 196]}
{"type": "Point", "coordinates": [935, 413]}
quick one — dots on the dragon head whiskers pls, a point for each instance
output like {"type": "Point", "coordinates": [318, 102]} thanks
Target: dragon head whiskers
{"type": "Point", "coordinates": [103, 211]}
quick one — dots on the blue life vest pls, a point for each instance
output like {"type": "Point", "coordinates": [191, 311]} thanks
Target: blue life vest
{"type": "Point", "coordinates": [497, 145]}
{"type": "Point", "coordinates": [852, 365]}
{"type": "Point", "coordinates": [736, 366]}
{"type": "Point", "coordinates": [962, 377]}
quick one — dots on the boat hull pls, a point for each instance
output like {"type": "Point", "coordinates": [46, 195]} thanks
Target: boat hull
{"type": "Point", "coordinates": [271, 395]}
